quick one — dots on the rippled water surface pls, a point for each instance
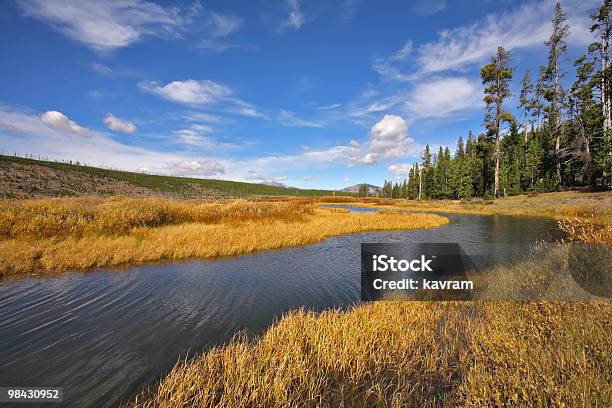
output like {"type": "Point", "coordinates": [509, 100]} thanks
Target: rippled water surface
{"type": "Point", "coordinates": [104, 334]}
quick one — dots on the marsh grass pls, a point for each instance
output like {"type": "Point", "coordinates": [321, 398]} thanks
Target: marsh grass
{"type": "Point", "coordinates": [52, 235]}
{"type": "Point", "coordinates": [77, 217]}
{"type": "Point", "coordinates": [398, 354]}
{"type": "Point", "coordinates": [593, 207]}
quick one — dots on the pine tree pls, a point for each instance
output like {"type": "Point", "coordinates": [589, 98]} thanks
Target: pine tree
{"type": "Point", "coordinates": [556, 48]}
{"type": "Point", "coordinates": [426, 174]}
{"type": "Point", "coordinates": [525, 99]}
{"type": "Point", "coordinates": [497, 75]}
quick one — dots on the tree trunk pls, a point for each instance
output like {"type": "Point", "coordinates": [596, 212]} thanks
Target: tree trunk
{"type": "Point", "coordinates": [497, 147]}
{"type": "Point", "coordinates": [604, 99]}
{"type": "Point", "coordinates": [539, 109]}
{"type": "Point", "coordinates": [557, 123]}
{"type": "Point", "coordinates": [526, 122]}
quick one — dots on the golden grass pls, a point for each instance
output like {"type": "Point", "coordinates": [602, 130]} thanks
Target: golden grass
{"type": "Point", "coordinates": [77, 217]}
{"type": "Point", "coordinates": [398, 354]}
{"type": "Point", "coordinates": [559, 206]}
{"type": "Point", "coordinates": [586, 217]}
{"type": "Point", "coordinates": [45, 236]}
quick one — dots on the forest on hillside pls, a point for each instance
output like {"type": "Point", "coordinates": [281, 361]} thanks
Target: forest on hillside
{"type": "Point", "coordinates": [562, 137]}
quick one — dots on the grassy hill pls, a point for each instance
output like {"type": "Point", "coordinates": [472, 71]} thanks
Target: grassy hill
{"type": "Point", "coordinates": [21, 177]}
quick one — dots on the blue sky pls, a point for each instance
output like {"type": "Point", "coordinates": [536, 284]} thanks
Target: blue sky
{"type": "Point", "coordinates": [313, 94]}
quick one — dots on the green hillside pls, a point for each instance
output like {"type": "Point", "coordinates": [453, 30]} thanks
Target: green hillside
{"type": "Point", "coordinates": [173, 185]}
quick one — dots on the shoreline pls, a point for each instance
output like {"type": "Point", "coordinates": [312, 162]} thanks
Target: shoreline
{"type": "Point", "coordinates": [27, 257]}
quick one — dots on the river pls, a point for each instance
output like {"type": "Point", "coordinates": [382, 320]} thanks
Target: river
{"type": "Point", "coordinates": [102, 335]}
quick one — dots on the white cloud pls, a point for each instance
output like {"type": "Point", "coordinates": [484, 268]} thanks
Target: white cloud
{"type": "Point", "coordinates": [55, 136]}
{"type": "Point", "coordinates": [525, 26]}
{"type": "Point", "coordinates": [197, 135]}
{"type": "Point", "coordinates": [114, 123]}
{"type": "Point", "coordinates": [60, 138]}
{"type": "Point", "coordinates": [389, 138]}
{"type": "Point", "coordinates": [197, 93]}
{"type": "Point", "coordinates": [400, 169]}
{"type": "Point", "coordinates": [247, 110]}
{"type": "Point", "coordinates": [257, 177]}
{"type": "Point", "coordinates": [329, 107]}
{"type": "Point", "coordinates": [223, 25]}
{"type": "Point", "coordinates": [59, 121]}
{"type": "Point", "coordinates": [220, 26]}
{"type": "Point", "coordinates": [108, 25]}
{"type": "Point", "coordinates": [102, 69]}
{"type": "Point", "coordinates": [442, 97]}
{"type": "Point", "coordinates": [194, 168]}
{"type": "Point", "coordinates": [295, 19]}
{"type": "Point", "coordinates": [190, 91]}
{"type": "Point", "coordinates": [287, 118]}
{"type": "Point", "coordinates": [204, 117]}
{"type": "Point", "coordinates": [368, 106]}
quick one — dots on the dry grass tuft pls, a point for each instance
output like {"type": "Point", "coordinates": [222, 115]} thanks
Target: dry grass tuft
{"type": "Point", "coordinates": [398, 354]}
{"type": "Point", "coordinates": [588, 229]}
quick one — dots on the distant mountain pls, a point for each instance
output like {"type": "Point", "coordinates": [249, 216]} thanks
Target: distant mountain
{"type": "Point", "coordinates": [355, 189]}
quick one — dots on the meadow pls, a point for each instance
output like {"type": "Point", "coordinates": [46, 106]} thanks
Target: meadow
{"type": "Point", "coordinates": [51, 235]}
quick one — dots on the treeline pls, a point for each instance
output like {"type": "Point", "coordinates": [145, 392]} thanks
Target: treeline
{"type": "Point", "coordinates": [561, 139]}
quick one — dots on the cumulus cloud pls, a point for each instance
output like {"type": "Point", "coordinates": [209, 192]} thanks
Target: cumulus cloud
{"type": "Point", "coordinates": [108, 25]}
{"type": "Point", "coordinates": [389, 138]}
{"type": "Point", "coordinates": [114, 123]}
{"type": "Point", "coordinates": [295, 18]}
{"type": "Point", "coordinates": [190, 91]}
{"type": "Point", "coordinates": [59, 121]}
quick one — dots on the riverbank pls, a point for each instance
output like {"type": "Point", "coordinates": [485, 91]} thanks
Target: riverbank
{"type": "Point", "coordinates": [408, 354]}
{"type": "Point", "coordinates": [54, 235]}
{"type": "Point", "coordinates": [587, 216]}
